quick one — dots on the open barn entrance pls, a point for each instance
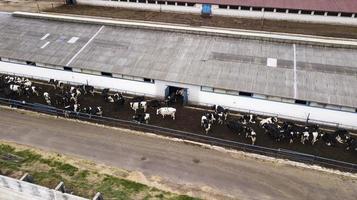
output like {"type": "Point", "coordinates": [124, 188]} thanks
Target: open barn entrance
{"type": "Point", "coordinates": [176, 95]}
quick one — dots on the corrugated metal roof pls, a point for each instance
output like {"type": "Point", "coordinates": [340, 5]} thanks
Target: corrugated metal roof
{"type": "Point", "coordinates": [349, 6]}
{"type": "Point", "coordinates": [213, 61]}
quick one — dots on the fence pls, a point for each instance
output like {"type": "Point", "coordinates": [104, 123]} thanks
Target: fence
{"type": "Point", "coordinates": [277, 153]}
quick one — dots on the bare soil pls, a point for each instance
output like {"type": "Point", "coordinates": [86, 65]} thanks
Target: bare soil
{"type": "Point", "coordinates": [29, 5]}
{"type": "Point", "coordinates": [214, 21]}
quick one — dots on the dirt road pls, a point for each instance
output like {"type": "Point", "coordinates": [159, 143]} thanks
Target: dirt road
{"type": "Point", "coordinates": [29, 5]}
{"type": "Point", "coordinates": [215, 21]}
{"type": "Point", "coordinates": [182, 167]}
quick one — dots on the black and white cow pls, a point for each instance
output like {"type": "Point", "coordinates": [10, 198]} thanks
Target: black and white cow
{"type": "Point", "coordinates": [138, 105]}
{"type": "Point", "coordinates": [269, 120]}
{"type": "Point", "coordinates": [119, 99]}
{"type": "Point", "coordinates": [274, 131]}
{"type": "Point", "coordinates": [16, 89]}
{"type": "Point", "coordinates": [206, 125]}
{"type": "Point", "coordinates": [86, 89]}
{"type": "Point", "coordinates": [309, 135]}
{"type": "Point", "coordinates": [250, 133]}
{"type": "Point", "coordinates": [73, 107]}
{"type": "Point", "coordinates": [142, 118]}
{"type": "Point", "coordinates": [221, 113]}
{"type": "Point", "coordinates": [93, 110]}
{"type": "Point", "coordinates": [207, 121]}
{"type": "Point", "coordinates": [314, 136]}
{"type": "Point", "coordinates": [106, 96]}
{"type": "Point", "coordinates": [329, 139]}
{"type": "Point", "coordinates": [166, 111]}
{"type": "Point", "coordinates": [75, 94]}
{"type": "Point", "coordinates": [56, 84]}
{"type": "Point", "coordinates": [351, 144]}
{"type": "Point", "coordinates": [218, 109]}
{"type": "Point", "coordinates": [342, 136]}
{"type": "Point", "coordinates": [210, 117]}
{"type": "Point", "coordinates": [251, 118]}
{"type": "Point", "coordinates": [26, 83]}
{"type": "Point", "coordinates": [35, 90]}
{"type": "Point", "coordinates": [291, 131]}
{"type": "Point", "coordinates": [47, 98]}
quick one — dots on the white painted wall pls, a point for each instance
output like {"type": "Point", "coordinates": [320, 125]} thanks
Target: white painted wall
{"type": "Point", "coordinates": [195, 95]}
{"type": "Point", "coordinates": [287, 17]}
{"type": "Point", "coordinates": [227, 12]}
{"type": "Point", "coordinates": [127, 86]}
{"type": "Point", "coordinates": [283, 110]}
{"type": "Point", "coordinates": [143, 6]}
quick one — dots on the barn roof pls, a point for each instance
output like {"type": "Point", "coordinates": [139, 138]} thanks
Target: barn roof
{"type": "Point", "coordinates": [349, 6]}
{"type": "Point", "coordinates": [324, 74]}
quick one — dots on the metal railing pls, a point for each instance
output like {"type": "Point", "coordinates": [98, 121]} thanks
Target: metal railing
{"type": "Point", "coordinates": [277, 153]}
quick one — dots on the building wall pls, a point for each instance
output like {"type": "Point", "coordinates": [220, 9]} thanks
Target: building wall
{"type": "Point", "coordinates": [283, 110]}
{"type": "Point", "coordinates": [216, 10]}
{"type": "Point", "coordinates": [195, 95]}
{"type": "Point", "coordinates": [286, 16]}
{"type": "Point", "coordinates": [127, 86]}
{"type": "Point", "coordinates": [143, 6]}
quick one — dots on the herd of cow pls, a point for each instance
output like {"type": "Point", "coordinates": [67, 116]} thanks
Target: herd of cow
{"type": "Point", "coordinates": [69, 98]}
{"type": "Point", "coordinates": [280, 132]}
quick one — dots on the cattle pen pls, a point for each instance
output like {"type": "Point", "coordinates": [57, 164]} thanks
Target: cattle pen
{"type": "Point", "coordinates": [276, 153]}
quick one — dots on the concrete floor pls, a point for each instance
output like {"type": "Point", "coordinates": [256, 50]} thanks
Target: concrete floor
{"type": "Point", "coordinates": [179, 165]}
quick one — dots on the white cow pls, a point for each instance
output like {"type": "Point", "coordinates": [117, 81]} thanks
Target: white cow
{"type": "Point", "coordinates": [166, 111]}
{"type": "Point", "coordinates": [138, 105]}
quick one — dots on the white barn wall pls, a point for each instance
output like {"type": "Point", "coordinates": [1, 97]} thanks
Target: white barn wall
{"type": "Point", "coordinates": [227, 12]}
{"type": "Point", "coordinates": [195, 95]}
{"type": "Point", "coordinates": [128, 86]}
{"type": "Point", "coordinates": [286, 16]}
{"type": "Point", "coordinates": [287, 110]}
{"type": "Point", "coordinates": [142, 6]}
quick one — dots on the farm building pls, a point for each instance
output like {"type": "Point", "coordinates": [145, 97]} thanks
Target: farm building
{"type": "Point", "coordinates": [319, 11]}
{"type": "Point", "coordinates": [288, 79]}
